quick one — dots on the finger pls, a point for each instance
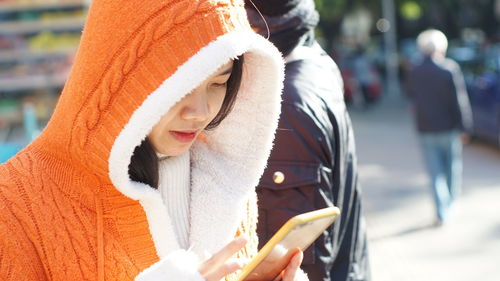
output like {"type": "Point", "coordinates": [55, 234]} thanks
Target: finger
{"type": "Point", "coordinates": [293, 266]}
{"type": "Point", "coordinates": [222, 255]}
{"type": "Point", "coordinates": [279, 277]}
{"type": "Point", "coordinates": [224, 270]}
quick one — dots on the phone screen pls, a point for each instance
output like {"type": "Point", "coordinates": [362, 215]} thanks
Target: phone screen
{"type": "Point", "coordinates": [300, 237]}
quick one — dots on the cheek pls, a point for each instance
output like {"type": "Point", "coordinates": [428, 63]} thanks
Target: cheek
{"type": "Point", "coordinates": [155, 136]}
{"type": "Point", "coordinates": [216, 101]}
{"type": "Point", "coordinates": [158, 131]}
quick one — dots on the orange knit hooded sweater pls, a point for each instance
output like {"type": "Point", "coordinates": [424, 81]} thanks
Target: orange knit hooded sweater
{"type": "Point", "coordinates": [68, 209]}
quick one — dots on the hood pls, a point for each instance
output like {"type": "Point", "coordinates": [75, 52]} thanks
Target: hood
{"type": "Point", "coordinates": [136, 59]}
{"type": "Point", "coordinates": [290, 22]}
{"type": "Point", "coordinates": [131, 67]}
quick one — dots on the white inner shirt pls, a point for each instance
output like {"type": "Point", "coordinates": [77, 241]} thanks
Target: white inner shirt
{"type": "Point", "coordinates": [175, 186]}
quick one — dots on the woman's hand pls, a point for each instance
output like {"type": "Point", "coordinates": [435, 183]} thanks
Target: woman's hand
{"type": "Point", "coordinates": [221, 264]}
{"type": "Point", "coordinates": [290, 271]}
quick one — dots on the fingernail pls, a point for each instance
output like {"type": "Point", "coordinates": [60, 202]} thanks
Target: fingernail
{"type": "Point", "coordinates": [298, 259]}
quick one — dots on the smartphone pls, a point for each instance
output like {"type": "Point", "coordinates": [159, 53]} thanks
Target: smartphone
{"type": "Point", "coordinates": [299, 232]}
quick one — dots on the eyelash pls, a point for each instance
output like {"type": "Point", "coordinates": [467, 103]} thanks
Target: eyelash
{"type": "Point", "coordinates": [220, 84]}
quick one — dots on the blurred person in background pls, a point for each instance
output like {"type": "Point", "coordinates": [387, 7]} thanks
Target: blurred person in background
{"type": "Point", "coordinates": [437, 89]}
{"type": "Point", "coordinates": [313, 162]}
{"type": "Point", "coordinates": [366, 76]}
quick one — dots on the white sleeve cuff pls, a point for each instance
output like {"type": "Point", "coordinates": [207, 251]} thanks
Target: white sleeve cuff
{"type": "Point", "coordinates": [180, 265]}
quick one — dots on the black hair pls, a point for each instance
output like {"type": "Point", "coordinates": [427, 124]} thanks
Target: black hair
{"type": "Point", "coordinates": [143, 165]}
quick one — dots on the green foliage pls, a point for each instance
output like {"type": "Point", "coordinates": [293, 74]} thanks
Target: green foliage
{"type": "Point", "coordinates": [335, 10]}
{"type": "Point", "coordinates": [410, 10]}
{"type": "Point", "coordinates": [331, 10]}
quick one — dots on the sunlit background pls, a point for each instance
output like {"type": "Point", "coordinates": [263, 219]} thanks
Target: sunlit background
{"type": "Point", "coordinates": [373, 42]}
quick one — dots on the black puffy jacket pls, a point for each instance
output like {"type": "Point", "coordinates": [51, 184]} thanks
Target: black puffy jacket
{"type": "Point", "coordinates": [315, 151]}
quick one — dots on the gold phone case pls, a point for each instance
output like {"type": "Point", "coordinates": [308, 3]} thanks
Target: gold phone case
{"type": "Point", "coordinates": [299, 232]}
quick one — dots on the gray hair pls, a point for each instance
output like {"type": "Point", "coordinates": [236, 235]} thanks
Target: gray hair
{"type": "Point", "coordinates": [431, 41]}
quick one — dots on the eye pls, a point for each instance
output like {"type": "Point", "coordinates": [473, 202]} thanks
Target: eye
{"type": "Point", "coordinates": [221, 80]}
{"type": "Point", "coordinates": [219, 84]}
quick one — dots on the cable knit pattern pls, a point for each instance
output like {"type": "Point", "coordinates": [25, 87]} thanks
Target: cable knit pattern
{"type": "Point", "coordinates": [55, 226]}
{"type": "Point", "coordinates": [68, 209]}
{"type": "Point", "coordinates": [155, 28]}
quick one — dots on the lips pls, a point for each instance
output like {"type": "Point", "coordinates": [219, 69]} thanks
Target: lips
{"type": "Point", "coordinates": [184, 136]}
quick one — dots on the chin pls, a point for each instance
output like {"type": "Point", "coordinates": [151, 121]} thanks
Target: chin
{"type": "Point", "coordinates": [176, 152]}
{"type": "Point", "coordinates": [172, 154]}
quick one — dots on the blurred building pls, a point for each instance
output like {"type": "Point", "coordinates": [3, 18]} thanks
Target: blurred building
{"type": "Point", "coordinates": [38, 39]}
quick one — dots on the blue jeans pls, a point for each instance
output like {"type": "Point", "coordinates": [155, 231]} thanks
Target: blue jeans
{"type": "Point", "coordinates": [443, 156]}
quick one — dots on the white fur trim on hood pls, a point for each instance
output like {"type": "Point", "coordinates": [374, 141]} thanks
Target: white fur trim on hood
{"type": "Point", "coordinates": [227, 166]}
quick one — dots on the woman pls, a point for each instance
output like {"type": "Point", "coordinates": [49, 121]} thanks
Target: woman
{"type": "Point", "coordinates": [147, 168]}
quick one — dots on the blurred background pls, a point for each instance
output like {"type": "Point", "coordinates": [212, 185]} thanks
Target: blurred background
{"type": "Point", "coordinates": [38, 39]}
{"type": "Point", "coordinates": [373, 42]}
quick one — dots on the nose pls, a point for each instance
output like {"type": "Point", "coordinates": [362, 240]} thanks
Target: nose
{"type": "Point", "coordinates": [197, 107]}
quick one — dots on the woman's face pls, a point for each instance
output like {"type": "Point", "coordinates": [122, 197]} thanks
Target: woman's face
{"type": "Point", "coordinates": [178, 129]}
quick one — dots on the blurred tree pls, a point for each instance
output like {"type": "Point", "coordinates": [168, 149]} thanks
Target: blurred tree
{"type": "Point", "coordinates": [413, 16]}
{"type": "Point", "coordinates": [332, 12]}
{"type": "Point", "coordinates": [451, 16]}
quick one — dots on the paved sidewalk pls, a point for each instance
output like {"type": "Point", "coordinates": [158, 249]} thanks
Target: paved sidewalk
{"type": "Point", "coordinates": [398, 204]}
